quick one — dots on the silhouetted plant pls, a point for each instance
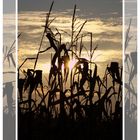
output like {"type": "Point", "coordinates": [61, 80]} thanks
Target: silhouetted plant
{"type": "Point", "coordinates": [71, 93]}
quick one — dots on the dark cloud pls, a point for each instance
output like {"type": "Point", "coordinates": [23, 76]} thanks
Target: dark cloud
{"type": "Point", "coordinates": [97, 7]}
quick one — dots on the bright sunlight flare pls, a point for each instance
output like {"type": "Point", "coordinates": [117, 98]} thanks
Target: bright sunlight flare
{"type": "Point", "coordinates": [71, 64]}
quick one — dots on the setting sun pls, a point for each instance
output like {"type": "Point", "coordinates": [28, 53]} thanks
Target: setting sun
{"type": "Point", "coordinates": [71, 64]}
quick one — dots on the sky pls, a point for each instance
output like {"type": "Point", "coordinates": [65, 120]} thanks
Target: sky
{"type": "Point", "coordinates": [97, 6]}
{"type": "Point", "coordinates": [104, 21]}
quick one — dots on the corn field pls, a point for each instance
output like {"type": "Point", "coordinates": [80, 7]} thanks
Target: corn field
{"type": "Point", "coordinates": [77, 103]}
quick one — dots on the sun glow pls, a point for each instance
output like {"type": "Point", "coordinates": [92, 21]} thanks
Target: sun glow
{"type": "Point", "coordinates": [45, 67]}
{"type": "Point", "coordinates": [71, 63]}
